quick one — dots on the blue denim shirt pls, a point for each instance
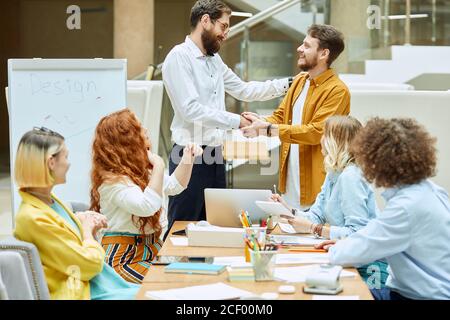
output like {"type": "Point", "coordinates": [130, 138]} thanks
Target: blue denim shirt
{"type": "Point", "coordinates": [346, 202]}
{"type": "Point", "coordinates": [413, 234]}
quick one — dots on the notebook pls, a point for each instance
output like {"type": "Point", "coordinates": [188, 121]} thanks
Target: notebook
{"type": "Point", "coordinates": [196, 268]}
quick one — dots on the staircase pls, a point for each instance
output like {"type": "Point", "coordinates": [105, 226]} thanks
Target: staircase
{"type": "Point", "coordinates": [408, 64]}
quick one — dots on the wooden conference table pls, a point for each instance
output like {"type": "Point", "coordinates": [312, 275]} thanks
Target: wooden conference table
{"type": "Point", "coordinates": [157, 279]}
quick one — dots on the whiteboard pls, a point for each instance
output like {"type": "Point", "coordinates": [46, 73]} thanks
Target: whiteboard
{"type": "Point", "coordinates": [68, 96]}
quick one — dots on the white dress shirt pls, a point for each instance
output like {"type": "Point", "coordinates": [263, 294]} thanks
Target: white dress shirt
{"type": "Point", "coordinates": [120, 201]}
{"type": "Point", "coordinates": [292, 195]}
{"type": "Point", "coordinates": [413, 234]}
{"type": "Point", "coordinates": [196, 85]}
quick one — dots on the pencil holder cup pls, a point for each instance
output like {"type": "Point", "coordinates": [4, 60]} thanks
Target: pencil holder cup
{"type": "Point", "coordinates": [263, 264]}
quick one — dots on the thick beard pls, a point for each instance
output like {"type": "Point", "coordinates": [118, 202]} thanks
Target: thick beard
{"type": "Point", "coordinates": [308, 65]}
{"type": "Point", "coordinates": [210, 43]}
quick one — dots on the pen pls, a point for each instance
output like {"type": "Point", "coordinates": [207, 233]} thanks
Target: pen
{"type": "Point", "coordinates": [244, 219]}
{"type": "Point", "coordinates": [249, 244]}
{"type": "Point", "coordinates": [268, 220]}
{"type": "Point", "coordinates": [248, 219]}
{"type": "Point", "coordinates": [255, 243]}
{"type": "Point", "coordinates": [275, 189]}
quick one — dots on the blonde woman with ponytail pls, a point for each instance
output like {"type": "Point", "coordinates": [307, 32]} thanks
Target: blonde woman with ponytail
{"type": "Point", "coordinates": [346, 202]}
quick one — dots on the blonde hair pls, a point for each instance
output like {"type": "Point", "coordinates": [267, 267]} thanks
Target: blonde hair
{"type": "Point", "coordinates": [338, 134]}
{"type": "Point", "coordinates": [35, 148]}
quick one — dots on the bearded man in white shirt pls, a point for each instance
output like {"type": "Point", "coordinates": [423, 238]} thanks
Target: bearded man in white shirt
{"type": "Point", "coordinates": [196, 79]}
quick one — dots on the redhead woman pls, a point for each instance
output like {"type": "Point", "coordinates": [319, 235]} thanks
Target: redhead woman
{"type": "Point", "coordinates": [73, 260]}
{"type": "Point", "coordinates": [128, 187]}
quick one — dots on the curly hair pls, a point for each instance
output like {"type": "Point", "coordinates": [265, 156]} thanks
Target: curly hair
{"type": "Point", "coordinates": [120, 150]}
{"type": "Point", "coordinates": [395, 152]}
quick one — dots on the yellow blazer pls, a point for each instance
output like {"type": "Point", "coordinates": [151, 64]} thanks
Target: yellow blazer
{"type": "Point", "coordinates": [69, 261]}
{"type": "Point", "coordinates": [327, 96]}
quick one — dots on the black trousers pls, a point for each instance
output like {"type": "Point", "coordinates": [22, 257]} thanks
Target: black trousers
{"type": "Point", "coordinates": [208, 172]}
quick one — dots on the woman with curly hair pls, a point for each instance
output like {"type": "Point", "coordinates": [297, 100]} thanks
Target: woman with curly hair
{"type": "Point", "coordinates": [128, 187]}
{"type": "Point", "coordinates": [413, 230]}
{"type": "Point", "coordinates": [346, 202]}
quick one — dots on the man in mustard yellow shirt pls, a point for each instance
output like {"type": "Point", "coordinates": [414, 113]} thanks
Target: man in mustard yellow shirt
{"type": "Point", "coordinates": [315, 94]}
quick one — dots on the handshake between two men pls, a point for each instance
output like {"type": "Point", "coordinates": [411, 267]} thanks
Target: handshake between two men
{"type": "Point", "coordinates": [253, 125]}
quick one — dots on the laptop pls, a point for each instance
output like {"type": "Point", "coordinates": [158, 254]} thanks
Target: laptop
{"type": "Point", "coordinates": [224, 205]}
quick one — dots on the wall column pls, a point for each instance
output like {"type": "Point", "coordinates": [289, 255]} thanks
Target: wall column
{"type": "Point", "coordinates": [134, 33]}
{"type": "Point", "coordinates": [350, 17]}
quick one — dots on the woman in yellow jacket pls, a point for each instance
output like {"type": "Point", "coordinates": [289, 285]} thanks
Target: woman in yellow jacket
{"type": "Point", "coordinates": [71, 257]}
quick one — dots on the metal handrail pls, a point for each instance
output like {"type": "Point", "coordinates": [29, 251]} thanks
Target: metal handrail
{"type": "Point", "coordinates": [240, 27]}
{"type": "Point", "coordinates": [261, 16]}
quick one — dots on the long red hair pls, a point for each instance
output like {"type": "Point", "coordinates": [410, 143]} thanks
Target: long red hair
{"type": "Point", "coordinates": [120, 149]}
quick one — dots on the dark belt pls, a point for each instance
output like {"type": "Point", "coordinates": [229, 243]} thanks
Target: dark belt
{"type": "Point", "coordinates": [134, 240]}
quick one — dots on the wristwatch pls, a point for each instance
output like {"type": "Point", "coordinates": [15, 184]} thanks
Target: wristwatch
{"type": "Point", "coordinates": [290, 80]}
{"type": "Point", "coordinates": [317, 230]}
{"type": "Point", "coordinates": [269, 132]}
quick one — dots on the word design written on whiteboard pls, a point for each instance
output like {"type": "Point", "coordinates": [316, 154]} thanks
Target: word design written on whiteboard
{"type": "Point", "coordinates": [76, 89]}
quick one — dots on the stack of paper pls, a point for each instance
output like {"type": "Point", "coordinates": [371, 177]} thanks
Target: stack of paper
{"type": "Point", "coordinates": [216, 291]}
{"type": "Point", "coordinates": [241, 274]}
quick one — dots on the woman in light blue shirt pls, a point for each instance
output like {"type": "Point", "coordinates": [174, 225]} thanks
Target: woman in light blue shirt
{"type": "Point", "coordinates": [346, 202]}
{"type": "Point", "coordinates": [413, 231]}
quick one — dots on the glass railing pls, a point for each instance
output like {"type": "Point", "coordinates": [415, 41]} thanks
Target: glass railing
{"type": "Point", "coordinates": [429, 22]}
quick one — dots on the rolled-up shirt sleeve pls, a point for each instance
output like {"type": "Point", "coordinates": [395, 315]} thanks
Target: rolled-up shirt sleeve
{"type": "Point", "coordinates": [384, 236]}
{"type": "Point", "coordinates": [172, 186]}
